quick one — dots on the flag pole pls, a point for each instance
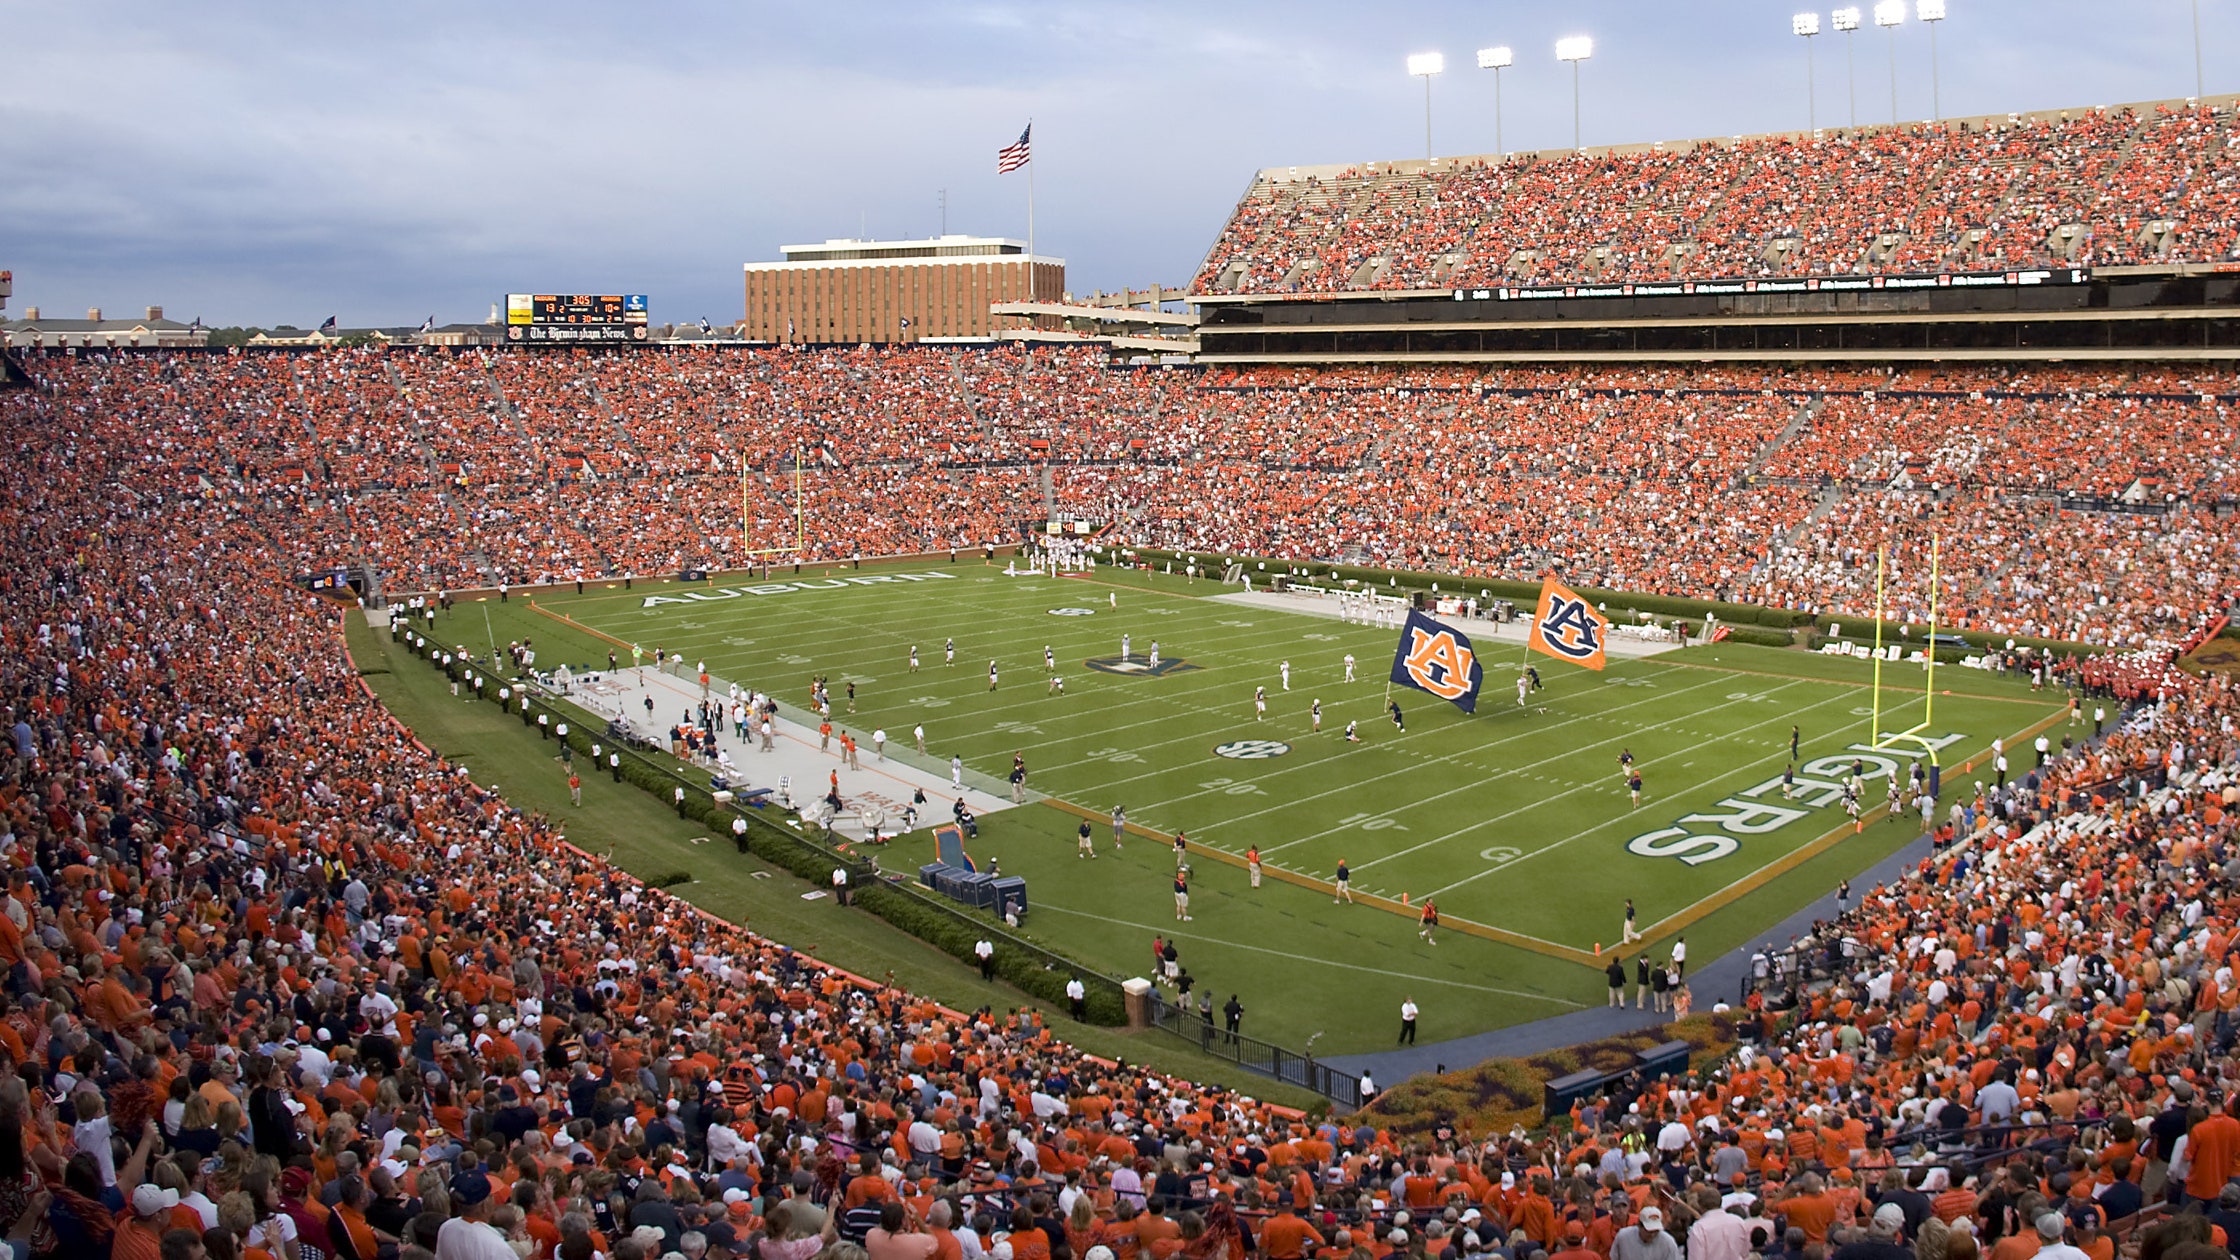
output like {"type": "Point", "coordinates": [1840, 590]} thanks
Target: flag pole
{"type": "Point", "coordinates": [1031, 294]}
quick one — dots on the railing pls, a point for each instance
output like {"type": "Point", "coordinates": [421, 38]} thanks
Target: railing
{"type": "Point", "coordinates": [1253, 1054]}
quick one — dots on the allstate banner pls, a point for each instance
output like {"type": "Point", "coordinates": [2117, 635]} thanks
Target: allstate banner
{"type": "Point", "coordinates": [1438, 659]}
{"type": "Point", "coordinates": [1567, 627]}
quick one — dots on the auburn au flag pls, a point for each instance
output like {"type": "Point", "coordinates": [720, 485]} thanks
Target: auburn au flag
{"type": "Point", "coordinates": [1438, 659]}
{"type": "Point", "coordinates": [1568, 628]}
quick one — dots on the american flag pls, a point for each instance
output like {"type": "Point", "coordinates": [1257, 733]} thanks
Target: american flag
{"type": "Point", "coordinates": [1013, 156]}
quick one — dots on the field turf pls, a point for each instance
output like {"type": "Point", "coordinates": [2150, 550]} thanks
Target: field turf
{"type": "Point", "coordinates": [1515, 820]}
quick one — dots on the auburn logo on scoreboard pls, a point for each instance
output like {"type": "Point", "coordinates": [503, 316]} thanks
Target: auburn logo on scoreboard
{"type": "Point", "coordinates": [1438, 659]}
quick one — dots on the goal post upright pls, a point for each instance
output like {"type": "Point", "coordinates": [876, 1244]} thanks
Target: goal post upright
{"type": "Point", "coordinates": [1936, 588]}
{"type": "Point", "coordinates": [1874, 721]}
{"type": "Point", "coordinates": [1913, 739]}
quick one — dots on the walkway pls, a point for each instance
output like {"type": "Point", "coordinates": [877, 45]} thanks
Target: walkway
{"type": "Point", "coordinates": [1479, 630]}
{"type": "Point", "coordinates": [796, 762]}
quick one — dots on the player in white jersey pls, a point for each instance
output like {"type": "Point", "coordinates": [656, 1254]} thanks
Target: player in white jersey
{"type": "Point", "coordinates": [1154, 654]}
{"type": "Point", "coordinates": [1124, 647]}
{"type": "Point", "coordinates": [1285, 670]}
{"type": "Point", "coordinates": [1349, 667]}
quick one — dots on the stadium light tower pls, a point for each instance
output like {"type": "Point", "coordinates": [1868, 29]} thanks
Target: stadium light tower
{"type": "Point", "coordinates": [1888, 14]}
{"type": "Point", "coordinates": [1426, 65]}
{"type": "Point", "coordinates": [1932, 12]}
{"type": "Point", "coordinates": [1847, 21]}
{"type": "Point", "coordinates": [1496, 60]}
{"type": "Point", "coordinates": [1808, 25]}
{"type": "Point", "coordinates": [1574, 49]}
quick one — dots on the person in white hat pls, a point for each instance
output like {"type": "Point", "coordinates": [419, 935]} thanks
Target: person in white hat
{"type": "Point", "coordinates": [1645, 1239]}
{"type": "Point", "coordinates": [142, 1232]}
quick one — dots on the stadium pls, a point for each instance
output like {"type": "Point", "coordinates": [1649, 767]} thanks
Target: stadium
{"type": "Point", "coordinates": [1580, 703]}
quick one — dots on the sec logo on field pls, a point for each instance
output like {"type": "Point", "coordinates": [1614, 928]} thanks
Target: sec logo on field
{"type": "Point", "coordinates": [1138, 666]}
{"type": "Point", "coordinates": [1252, 749]}
{"type": "Point", "coordinates": [1073, 612]}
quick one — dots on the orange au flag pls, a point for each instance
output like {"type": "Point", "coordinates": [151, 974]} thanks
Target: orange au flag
{"type": "Point", "coordinates": [1567, 627]}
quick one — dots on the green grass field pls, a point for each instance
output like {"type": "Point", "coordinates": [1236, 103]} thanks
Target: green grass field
{"type": "Point", "coordinates": [1516, 820]}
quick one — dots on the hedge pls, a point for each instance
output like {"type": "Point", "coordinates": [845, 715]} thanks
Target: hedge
{"type": "Point", "coordinates": [1735, 615]}
{"type": "Point", "coordinates": [1760, 636]}
{"type": "Point", "coordinates": [1405, 581]}
{"type": "Point", "coordinates": [952, 932]}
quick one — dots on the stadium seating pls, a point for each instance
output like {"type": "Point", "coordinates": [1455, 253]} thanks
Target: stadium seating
{"type": "Point", "coordinates": [2087, 188]}
{"type": "Point", "coordinates": [267, 952]}
{"type": "Point", "coordinates": [1767, 484]}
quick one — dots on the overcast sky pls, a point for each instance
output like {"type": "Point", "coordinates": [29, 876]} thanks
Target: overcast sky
{"type": "Point", "coordinates": [281, 162]}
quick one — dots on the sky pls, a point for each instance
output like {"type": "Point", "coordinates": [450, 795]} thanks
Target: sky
{"type": "Point", "coordinates": [269, 163]}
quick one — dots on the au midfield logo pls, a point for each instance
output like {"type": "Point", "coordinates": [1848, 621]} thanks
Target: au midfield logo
{"type": "Point", "coordinates": [1073, 612]}
{"type": "Point", "coordinates": [1138, 666]}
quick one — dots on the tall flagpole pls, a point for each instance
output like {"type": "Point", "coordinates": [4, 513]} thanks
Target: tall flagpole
{"type": "Point", "coordinates": [1031, 294]}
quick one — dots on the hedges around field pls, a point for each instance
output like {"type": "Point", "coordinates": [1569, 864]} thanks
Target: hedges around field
{"type": "Point", "coordinates": [1746, 623]}
{"type": "Point", "coordinates": [1501, 1094]}
{"type": "Point", "coordinates": [1031, 969]}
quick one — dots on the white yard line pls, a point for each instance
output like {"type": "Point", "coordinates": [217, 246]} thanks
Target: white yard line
{"type": "Point", "coordinates": [1410, 976]}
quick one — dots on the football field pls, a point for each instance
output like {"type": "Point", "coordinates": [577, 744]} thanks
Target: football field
{"type": "Point", "coordinates": [1515, 819]}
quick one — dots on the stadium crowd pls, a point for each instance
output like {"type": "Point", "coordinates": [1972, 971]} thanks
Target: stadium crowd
{"type": "Point", "coordinates": [282, 984]}
{"type": "Point", "coordinates": [2094, 187]}
{"type": "Point", "coordinates": [444, 470]}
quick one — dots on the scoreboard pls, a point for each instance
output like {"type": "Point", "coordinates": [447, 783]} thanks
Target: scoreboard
{"type": "Point", "coordinates": [575, 319]}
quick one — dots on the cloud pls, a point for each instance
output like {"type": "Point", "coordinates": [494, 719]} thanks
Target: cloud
{"type": "Point", "coordinates": [254, 162]}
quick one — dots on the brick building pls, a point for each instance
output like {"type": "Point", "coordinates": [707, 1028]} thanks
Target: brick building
{"type": "Point", "coordinates": [850, 291]}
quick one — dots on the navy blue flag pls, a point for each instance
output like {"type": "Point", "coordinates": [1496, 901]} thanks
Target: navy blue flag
{"type": "Point", "coordinates": [1438, 659]}
{"type": "Point", "coordinates": [328, 326]}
